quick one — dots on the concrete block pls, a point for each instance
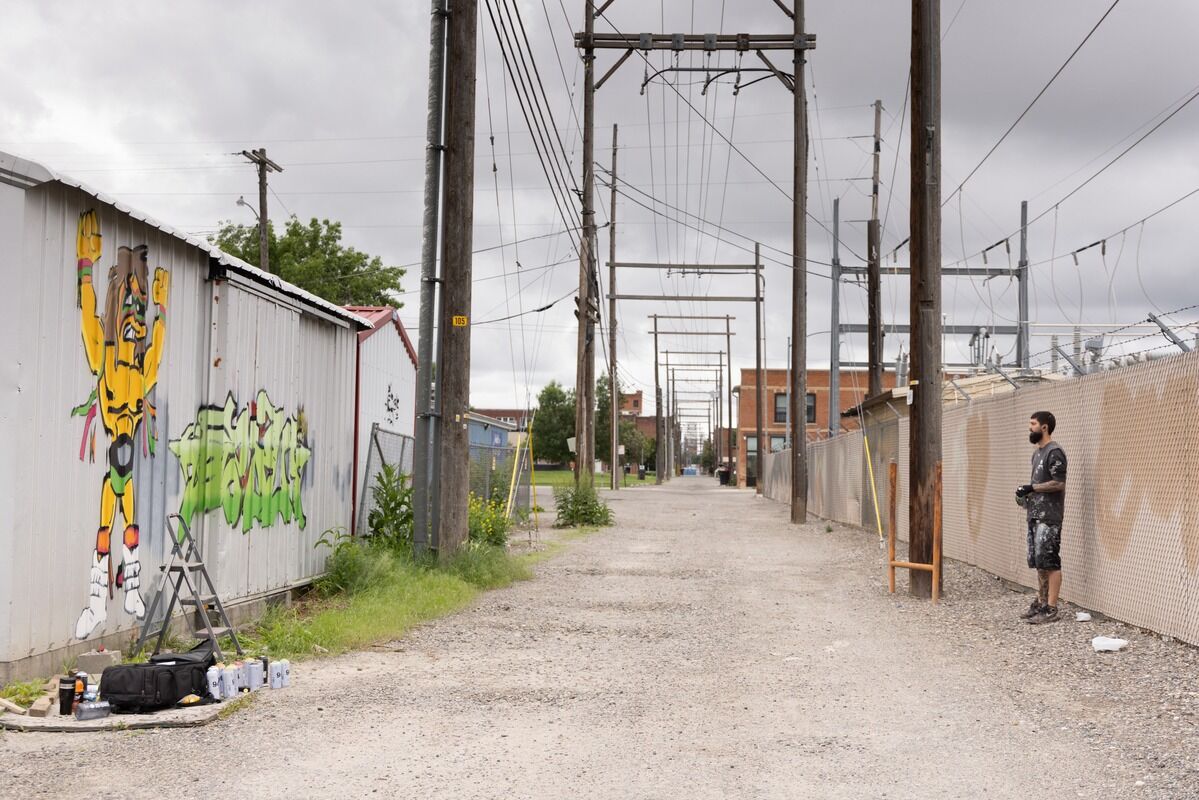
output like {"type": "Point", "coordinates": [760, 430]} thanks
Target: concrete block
{"type": "Point", "coordinates": [8, 705]}
{"type": "Point", "coordinates": [93, 663]}
{"type": "Point", "coordinates": [41, 707]}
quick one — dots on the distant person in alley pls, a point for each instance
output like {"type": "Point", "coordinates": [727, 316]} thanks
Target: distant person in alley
{"type": "Point", "coordinates": [1044, 498]}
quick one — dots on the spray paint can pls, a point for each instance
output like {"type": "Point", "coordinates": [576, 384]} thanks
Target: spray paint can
{"type": "Point", "coordinates": [266, 673]}
{"type": "Point", "coordinates": [254, 675]}
{"type": "Point", "coordinates": [228, 683]}
{"type": "Point", "coordinates": [286, 666]}
{"type": "Point", "coordinates": [276, 675]}
{"type": "Point", "coordinates": [214, 682]}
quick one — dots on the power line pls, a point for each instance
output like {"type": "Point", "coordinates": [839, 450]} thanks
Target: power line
{"type": "Point", "coordinates": [1028, 108]}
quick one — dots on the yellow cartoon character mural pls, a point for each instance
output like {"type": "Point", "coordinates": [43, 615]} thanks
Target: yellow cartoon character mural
{"type": "Point", "coordinates": [123, 354]}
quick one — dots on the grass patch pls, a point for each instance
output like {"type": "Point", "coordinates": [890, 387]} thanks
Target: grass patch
{"type": "Point", "coordinates": [398, 595]}
{"type": "Point", "coordinates": [23, 693]}
{"type": "Point", "coordinates": [564, 477]}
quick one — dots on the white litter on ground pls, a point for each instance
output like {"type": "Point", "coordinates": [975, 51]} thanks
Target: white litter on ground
{"type": "Point", "coordinates": [1082, 616]}
{"type": "Point", "coordinates": [1108, 644]}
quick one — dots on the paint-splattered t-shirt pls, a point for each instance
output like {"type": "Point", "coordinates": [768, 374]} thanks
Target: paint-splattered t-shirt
{"type": "Point", "coordinates": [1048, 464]}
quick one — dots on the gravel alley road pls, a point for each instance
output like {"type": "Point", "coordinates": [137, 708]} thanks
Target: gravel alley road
{"type": "Point", "coordinates": [702, 648]}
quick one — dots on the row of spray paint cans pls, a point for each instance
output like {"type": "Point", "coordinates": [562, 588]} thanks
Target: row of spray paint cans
{"type": "Point", "coordinates": [227, 681]}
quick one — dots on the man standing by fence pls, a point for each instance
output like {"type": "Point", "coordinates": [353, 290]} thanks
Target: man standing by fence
{"type": "Point", "coordinates": [1045, 500]}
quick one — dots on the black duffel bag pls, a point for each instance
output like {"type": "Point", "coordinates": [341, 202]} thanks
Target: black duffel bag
{"type": "Point", "coordinates": [160, 683]}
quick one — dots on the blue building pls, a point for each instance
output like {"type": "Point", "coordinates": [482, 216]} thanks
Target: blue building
{"type": "Point", "coordinates": [487, 431]}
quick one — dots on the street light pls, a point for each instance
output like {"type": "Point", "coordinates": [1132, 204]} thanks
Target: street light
{"type": "Point", "coordinates": [241, 201]}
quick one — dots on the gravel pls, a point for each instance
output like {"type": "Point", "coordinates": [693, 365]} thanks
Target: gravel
{"type": "Point", "coordinates": [702, 648]}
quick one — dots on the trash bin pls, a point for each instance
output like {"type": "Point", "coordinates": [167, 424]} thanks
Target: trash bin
{"type": "Point", "coordinates": [723, 475]}
{"type": "Point", "coordinates": [641, 472]}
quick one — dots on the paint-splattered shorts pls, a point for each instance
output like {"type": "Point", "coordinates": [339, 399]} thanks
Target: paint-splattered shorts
{"type": "Point", "coordinates": [1044, 545]}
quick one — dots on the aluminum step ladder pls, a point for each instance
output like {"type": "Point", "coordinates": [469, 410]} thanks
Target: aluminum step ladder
{"type": "Point", "coordinates": [186, 570]}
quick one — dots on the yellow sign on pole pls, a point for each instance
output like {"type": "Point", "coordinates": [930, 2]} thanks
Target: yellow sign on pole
{"type": "Point", "coordinates": [460, 321]}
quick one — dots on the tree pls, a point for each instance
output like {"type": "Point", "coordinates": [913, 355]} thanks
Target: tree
{"type": "Point", "coordinates": [603, 420]}
{"type": "Point", "coordinates": [312, 257]}
{"type": "Point", "coordinates": [708, 458]}
{"type": "Point", "coordinates": [651, 453]}
{"type": "Point", "coordinates": [554, 423]}
{"type": "Point", "coordinates": [633, 441]}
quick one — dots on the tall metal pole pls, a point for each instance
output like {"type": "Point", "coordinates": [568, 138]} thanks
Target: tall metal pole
{"type": "Point", "coordinates": [874, 272]}
{"type": "Point", "coordinates": [732, 430]}
{"type": "Point", "coordinates": [925, 430]}
{"type": "Point", "coordinates": [614, 392]}
{"type": "Point", "coordinates": [453, 368]}
{"type": "Point", "coordinates": [657, 410]}
{"type": "Point", "coordinates": [834, 357]}
{"type": "Point", "coordinates": [588, 305]}
{"type": "Point", "coordinates": [425, 421]}
{"type": "Point", "coordinates": [759, 389]}
{"type": "Point", "coordinates": [798, 391]}
{"type": "Point", "coordinates": [1022, 355]}
{"type": "Point", "coordinates": [669, 424]}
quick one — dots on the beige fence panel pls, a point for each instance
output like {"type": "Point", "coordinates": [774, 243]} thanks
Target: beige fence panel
{"type": "Point", "coordinates": [1130, 543]}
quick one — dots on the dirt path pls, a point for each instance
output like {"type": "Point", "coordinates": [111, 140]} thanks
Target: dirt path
{"type": "Point", "coordinates": [704, 648]}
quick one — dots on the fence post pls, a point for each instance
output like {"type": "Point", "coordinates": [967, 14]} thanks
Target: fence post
{"type": "Point", "coordinates": [937, 534]}
{"type": "Point", "coordinates": [892, 502]}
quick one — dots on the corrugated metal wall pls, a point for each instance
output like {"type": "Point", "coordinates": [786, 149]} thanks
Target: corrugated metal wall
{"type": "Point", "coordinates": [256, 341]}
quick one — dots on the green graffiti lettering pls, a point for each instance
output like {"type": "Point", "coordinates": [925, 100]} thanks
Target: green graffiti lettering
{"type": "Point", "coordinates": [248, 463]}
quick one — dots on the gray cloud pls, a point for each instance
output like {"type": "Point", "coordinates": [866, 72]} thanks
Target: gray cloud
{"type": "Point", "coordinates": [148, 101]}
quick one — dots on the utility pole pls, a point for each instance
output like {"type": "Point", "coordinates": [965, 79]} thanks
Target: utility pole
{"type": "Point", "coordinates": [423, 538]}
{"type": "Point", "coordinates": [1022, 355]}
{"type": "Point", "coordinates": [588, 305]}
{"type": "Point", "coordinates": [925, 311]}
{"type": "Point", "coordinates": [614, 391]}
{"type": "Point", "coordinates": [265, 165]}
{"type": "Point", "coordinates": [657, 410]}
{"type": "Point", "coordinates": [759, 389]}
{"type": "Point", "coordinates": [874, 279]}
{"type": "Point", "coordinates": [834, 364]}
{"type": "Point", "coordinates": [453, 368]}
{"type": "Point", "coordinates": [798, 390]}
{"type": "Point", "coordinates": [731, 432]}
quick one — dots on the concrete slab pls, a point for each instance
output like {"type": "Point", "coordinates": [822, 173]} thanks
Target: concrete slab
{"type": "Point", "coordinates": [168, 718]}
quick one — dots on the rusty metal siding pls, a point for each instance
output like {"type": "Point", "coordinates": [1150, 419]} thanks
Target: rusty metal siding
{"type": "Point", "coordinates": [302, 356]}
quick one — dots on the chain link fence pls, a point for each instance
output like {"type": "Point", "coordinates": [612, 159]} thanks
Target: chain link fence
{"type": "Point", "coordinates": [495, 470]}
{"type": "Point", "coordinates": [1130, 541]}
{"type": "Point", "coordinates": [386, 448]}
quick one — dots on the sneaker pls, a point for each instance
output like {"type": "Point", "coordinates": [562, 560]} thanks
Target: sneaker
{"type": "Point", "coordinates": [1048, 614]}
{"type": "Point", "coordinates": [1034, 608]}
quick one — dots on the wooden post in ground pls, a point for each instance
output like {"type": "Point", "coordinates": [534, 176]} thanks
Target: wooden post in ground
{"type": "Point", "coordinates": [892, 505]}
{"type": "Point", "coordinates": [925, 308]}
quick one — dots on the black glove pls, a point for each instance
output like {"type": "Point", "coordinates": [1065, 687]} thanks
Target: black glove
{"type": "Point", "coordinates": [1024, 491]}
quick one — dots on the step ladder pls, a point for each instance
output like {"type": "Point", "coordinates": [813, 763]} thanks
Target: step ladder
{"type": "Point", "coordinates": [186, 570]}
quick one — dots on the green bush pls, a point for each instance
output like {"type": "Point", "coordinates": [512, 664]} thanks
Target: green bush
{"type": "Point", "coordinates": [390, 521]}
{"type": "Point", "coordinates": [487, 523]}
{"type": "Point", "coordinates": [354, 565]}
{"type": "Point", "coordinates": [580, 505]}
{"type": "Point", "coordinates": [486, 566]}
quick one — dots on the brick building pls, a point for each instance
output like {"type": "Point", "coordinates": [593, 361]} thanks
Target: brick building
{"type": "Point", "coordinates": [632, 405]}
{"type": "Point", "coordinates": [774, 427]}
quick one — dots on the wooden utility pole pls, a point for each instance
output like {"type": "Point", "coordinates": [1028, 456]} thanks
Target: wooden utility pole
{"type": "Point", "coordinates": [265, 165]}
{"type": "Point", "coordinates": [798, 390]}
{"type": "Point", "coordinates": [453, 367]}
{"type": "Point", "coordinates": [874, 278]}
{"type": "Point", "coordinates": [759, 389]}
{"type": "Point", "coordinates": [657, 410]}
{"type": "Point", "coordinates": [615, 390]}
{"type": "Point", "coordinates": [588, 303]}
{"type": "Point", "coordinates": [925, 430]}
{"type": "Point", "coordinates": [731, 432]}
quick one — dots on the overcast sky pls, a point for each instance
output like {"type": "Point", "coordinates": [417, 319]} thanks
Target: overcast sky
{"type": "Point", "coordinates": [147, 101]}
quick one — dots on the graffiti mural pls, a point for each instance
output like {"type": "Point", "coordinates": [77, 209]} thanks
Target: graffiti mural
{"type": "Point", "coordinates": [391, 404]}
{"type": "Point", "coordinates": [123, 354]}
{"type": "Point", "coordinates": [249, 463]}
